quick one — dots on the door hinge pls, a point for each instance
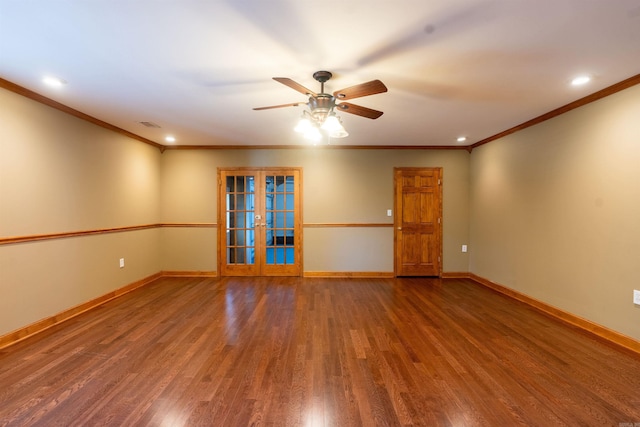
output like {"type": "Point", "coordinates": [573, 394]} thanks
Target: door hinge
{"type": "Point", "coordinates": [439, 220]}
{"type": "Point", "coordinates": [439, 182]}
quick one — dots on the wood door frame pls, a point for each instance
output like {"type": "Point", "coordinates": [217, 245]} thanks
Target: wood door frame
{"type": "Point", "coordinates": [398, 219]}
{"type": "Point", "coordinates": [221, 209]}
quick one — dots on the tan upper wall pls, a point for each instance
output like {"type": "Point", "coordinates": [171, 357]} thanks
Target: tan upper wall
{"type": "Point", "coordinates": [555, 210]}
{"type": "Point", "coordinates": [59, 173]}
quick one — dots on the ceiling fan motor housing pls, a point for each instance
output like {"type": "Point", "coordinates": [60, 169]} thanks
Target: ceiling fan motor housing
{"type": "Point", "coordinates": [321, 106]}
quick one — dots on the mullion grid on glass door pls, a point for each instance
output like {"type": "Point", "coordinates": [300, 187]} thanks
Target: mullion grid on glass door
{"type": "Point", "coordinates": [279, 210]}
{"type": "Point", "coordinates": [240, 213]}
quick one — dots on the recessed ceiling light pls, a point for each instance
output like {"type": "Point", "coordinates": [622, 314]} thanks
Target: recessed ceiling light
{"type": "Point", "coordinates": [461, 139]}
{"type": "Point", "coordinates": [170, 138]}
{"type": "Point", "coordinates": [53, 81]}
{"type": "Point", "coordinates": [580, 80]}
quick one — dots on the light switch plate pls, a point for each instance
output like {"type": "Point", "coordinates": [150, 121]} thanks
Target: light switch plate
{"type": "Point", "coordinates": [121, 262]}
{"type": "Point", "coordinates": [636, 297]}
{"type": "Point", "coordinates": [464, 248]}
{"type": "Point", "coordinates": [389, 212]}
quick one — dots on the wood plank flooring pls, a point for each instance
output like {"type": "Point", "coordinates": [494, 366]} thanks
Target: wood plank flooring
{"type": "Point", "coordinates": [316, 352]}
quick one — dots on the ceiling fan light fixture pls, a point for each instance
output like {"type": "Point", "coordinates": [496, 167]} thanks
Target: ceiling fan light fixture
{"type": "Point", "coordinates": [332, 124]}
{"type": "Point", "coordinates": [303, 125]}
{"type": "Point", "coordinates": [321, 116]}
{"type": "Point", "coordinates": [313, 134]}
{"type": "Point", "coordinates": [340, 133]}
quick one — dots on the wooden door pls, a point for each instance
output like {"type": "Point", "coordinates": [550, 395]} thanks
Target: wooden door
{"type": "Point", "coordinates": [259, 222]}
{"type": "Point", "coordinates": [418, 221]}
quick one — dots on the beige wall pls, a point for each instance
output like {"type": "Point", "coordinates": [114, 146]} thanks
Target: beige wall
{"type": "Point", "coordinates": [550, 211]}
{"type": "Point", "coordinates": [61, 174]}
{"type": "Point", "coordinates": [339, 186]}
{"type": "Point", "coordinates": [555, 211]}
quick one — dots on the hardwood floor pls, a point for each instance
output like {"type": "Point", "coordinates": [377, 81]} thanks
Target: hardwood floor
{"type": "Point", "coordinates": [305, 352]}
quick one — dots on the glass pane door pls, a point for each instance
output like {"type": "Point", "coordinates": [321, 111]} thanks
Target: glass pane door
{"type": "Point", "coordinates": [261, 222]}
{"type": "Point", "coordinates": [239, 224]}
{"type": "Point", "coordinates": [280, 219]}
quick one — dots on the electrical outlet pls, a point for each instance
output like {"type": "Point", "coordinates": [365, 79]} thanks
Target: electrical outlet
{"type": "Point", "coordinates": [121, 262]}
{"type": "Point", "coordinates": [464, 248]}
{"type": "Point", "coordinates": [636, 297]}
{"type": "Point", "coordinates": [389, 212]}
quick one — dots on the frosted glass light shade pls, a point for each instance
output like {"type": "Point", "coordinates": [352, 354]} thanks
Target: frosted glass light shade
{"type": "Point", "coordinates": [332, 124]}
{"type": "Point", "coordinates": [340, 133]}
{"type": "Point", "coordinates": [313, 134]}
{"type": "Point", "coordinates": [303, 125]}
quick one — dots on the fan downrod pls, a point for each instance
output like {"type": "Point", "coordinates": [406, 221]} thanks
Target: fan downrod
{"type": "Point", "coordinates": [322, 76]}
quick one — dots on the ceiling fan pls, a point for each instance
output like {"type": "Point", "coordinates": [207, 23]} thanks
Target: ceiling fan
{"type": "Point", "coordinates": [322, 105]}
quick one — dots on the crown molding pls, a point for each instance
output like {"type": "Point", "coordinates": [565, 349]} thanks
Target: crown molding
{"type": "Point", "coordinates": [66, 109]}
{"type": "Point", "coordinates": [617, 87]}
{"type": "Point", "coordinates": [625, 84]}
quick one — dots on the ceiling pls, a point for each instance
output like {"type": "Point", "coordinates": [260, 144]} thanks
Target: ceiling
{"type": "Point", "coordinates": [197, 68]}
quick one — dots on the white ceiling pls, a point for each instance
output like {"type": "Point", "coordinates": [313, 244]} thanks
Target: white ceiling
{"type": "Point", "coordinates": [197, 68]}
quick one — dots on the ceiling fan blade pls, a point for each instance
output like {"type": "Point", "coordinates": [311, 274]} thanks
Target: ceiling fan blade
{"type": "Point", "coordinates": [295, 86]}
{"type": "Point", "coordinates": [363, 89]}
{"type": "Point", "coordinates": [358, 110]}
{"type": "Point", "coordinates": [293, 104]}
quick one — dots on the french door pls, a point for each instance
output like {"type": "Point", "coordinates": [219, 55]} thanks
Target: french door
{"type": "Point", "coordinates": [418, 224]}
{"type": "Point", "coordinates": [259, 222]}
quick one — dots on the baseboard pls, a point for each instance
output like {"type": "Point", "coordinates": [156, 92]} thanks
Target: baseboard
{"type": "Point", "coordinates": [592, 328]}
{"type": "Point", "coordinates": [189, 273]}
{"type": "Point", "coordinates": [350, 274]}
{"type": "Point", "coordinates": [455, 275]}
{"type": "Point", "coordinates": [43, 324]}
